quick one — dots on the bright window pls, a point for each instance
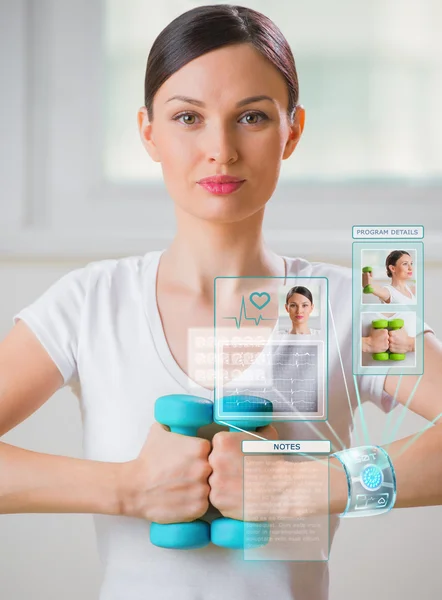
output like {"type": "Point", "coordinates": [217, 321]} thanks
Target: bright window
{"type": "Point", "coordinates": [370, 79]}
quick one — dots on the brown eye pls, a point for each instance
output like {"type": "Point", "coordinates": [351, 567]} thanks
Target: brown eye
{"type": "Point", "coordinates": [257, 116]}
{"type": "Point", "coordinates": [188, 118]}
{"type": "Point", "coordinates": [249, 117]}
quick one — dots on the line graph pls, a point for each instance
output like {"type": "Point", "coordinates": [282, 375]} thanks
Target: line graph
{"type": "Point", "coordinates": [290, 376]}
{"type": "Point", "coordinates": [243, 316]}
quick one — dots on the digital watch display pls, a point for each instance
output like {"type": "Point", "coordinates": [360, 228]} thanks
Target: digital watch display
{"type": "Point", "coordinates": [371, 481]}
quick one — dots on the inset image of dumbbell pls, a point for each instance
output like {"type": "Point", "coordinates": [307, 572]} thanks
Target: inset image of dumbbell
{"type": "Point", "coordinates": [184, 414]}
{"type": "Point", "coordinates": [231, 533]}
{"type": "Point", "coordinates": [368, 289]}
{"type": "Point", "coordinates": [380, 324]}
{"type": "Point", "coordinates": [392, 325]}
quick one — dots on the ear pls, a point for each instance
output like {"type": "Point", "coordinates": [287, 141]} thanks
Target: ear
{"type": "Point", "coordinates": [146, 134]}
{"type": "Point", "coordinates": [286, 307]}
{"type": "Point", "coordinates": [295, 132]}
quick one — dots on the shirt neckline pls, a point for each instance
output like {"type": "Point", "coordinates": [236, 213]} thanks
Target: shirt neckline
{"type": "Point", "coordinates": [149, 286]}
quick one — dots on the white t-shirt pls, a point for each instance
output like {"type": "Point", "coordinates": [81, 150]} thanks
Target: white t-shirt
{"type": "Point", "coordinates": [397, 297]}
{"type": "Point", "coordinates": [101, 326]}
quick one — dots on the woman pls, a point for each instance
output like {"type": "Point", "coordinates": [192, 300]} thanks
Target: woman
{"type": "Point", "coordinates": [399, 268]}
{"type": "Point", "coordinates": [221, 113]}
{"type": "Point", "coordinates": [299, 305]}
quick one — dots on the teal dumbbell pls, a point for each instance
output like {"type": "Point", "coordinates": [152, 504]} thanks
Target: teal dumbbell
{"type": "Point", "coordinates": [231, 533]}
{"type": "Point", "coordinates": [185, 415]}
{"type": "Point", "coordinates": [368, 289]}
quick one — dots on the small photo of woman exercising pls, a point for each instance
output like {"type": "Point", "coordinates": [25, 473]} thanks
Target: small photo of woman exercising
{"type": "Point", "coordinates": [388, 276]}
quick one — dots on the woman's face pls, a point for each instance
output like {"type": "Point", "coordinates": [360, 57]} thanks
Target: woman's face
{"type": "Point", "coordinates": [299, 308]}
{"type": "Point", "coordinates": [217, 136]}
{"type": "Point", "coordinates": [403, 268]}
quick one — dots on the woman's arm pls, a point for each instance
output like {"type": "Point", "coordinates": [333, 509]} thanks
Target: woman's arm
{"type": "Point", "coordinates": [172, 489]}
{"type": "Point", "coordinates": [31, 482]}
{"type": "Point", "coordinates": [34, 482]}
{"type": "Point", "coordinates": [381, 292]}
{"type": "Point", "coordinates": [417, 459]}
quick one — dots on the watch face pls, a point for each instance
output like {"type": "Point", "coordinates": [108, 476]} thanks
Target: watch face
{"type": "Point", "coordinates": [372, 478]}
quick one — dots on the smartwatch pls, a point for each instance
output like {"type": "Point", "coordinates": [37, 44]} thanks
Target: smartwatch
{"type": "Point", "coordinates": [371, 481]}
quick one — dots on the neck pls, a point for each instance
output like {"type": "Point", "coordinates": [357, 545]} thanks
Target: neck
{"type": "Point", "coordinates": [303, 328]}
{"type": "Point", "coordinates": [202, 251]}
{"type": "Point", "coordinates": [399, 284]}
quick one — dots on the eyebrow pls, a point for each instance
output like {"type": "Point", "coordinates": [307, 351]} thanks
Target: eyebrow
{"type": "Point", "coordinates": [243, 102]}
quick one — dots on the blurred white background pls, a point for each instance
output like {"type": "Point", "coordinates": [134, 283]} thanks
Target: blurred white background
{"type": "Point", "coordinates": [76, 186]}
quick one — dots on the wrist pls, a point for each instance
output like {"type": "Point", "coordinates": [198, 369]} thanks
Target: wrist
{"type": "Point", "coordinates": [125, 488]}
{"type": "Point", "coordinates": [109, 495]}
{"type": "Point", "coordinates": [411, 346]}
{"type": "Point", "coordinates": [338, 487]}
{"type": "Point", "coordinates": [366, 344]}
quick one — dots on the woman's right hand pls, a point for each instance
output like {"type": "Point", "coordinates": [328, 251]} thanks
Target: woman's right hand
{"type": "Point", "coordinates": [377, 341]}
{"type": "Point", "coordinates": [168, 482]}
{"type": "Point", "coordinates": [367, 279]}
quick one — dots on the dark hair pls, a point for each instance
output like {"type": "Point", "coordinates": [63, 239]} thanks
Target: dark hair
{"type": "Point", "coordinates": [299, 289]}
{"type": "Point", "coordinates": [392, 259]}
{"type": "Point", "coordinates": [207, 28]}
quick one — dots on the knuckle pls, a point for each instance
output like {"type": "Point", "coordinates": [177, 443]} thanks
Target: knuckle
{"type": "Point", "coordinates": [201, 503]}
{"type": "Point", "coordinates": [207, 471]}
{"type": "Point", "coordinates": [215, 497]}
{"type": "Point", "coordinates": [200, 469]}
{"type": "Point", "coordinates": [203, 448]}
{"type": "Point", "coordinates": [217, 460]}
{"type": "Point", "coordinates": [221, 439]}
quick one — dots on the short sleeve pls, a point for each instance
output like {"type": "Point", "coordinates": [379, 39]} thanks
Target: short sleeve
{"type": "Point", "coordinates": [389, 290]}
{"type": "Point", "coordinates": [55, 319]}
{"type": "Point", "coordinates": [371, 389]}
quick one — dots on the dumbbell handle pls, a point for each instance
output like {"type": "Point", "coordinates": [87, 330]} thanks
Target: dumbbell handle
{"type": "Point", "coordinates": [189, 431]}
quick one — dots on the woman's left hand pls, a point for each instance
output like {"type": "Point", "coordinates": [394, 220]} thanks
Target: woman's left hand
{"type": "Point", "coordinates": [400, 342]}
{"type": "Point", "coordinates": [227, 478]}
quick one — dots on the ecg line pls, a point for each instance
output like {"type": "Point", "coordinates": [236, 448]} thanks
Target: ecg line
{"type": "Point", "coordinates": [243, 314]}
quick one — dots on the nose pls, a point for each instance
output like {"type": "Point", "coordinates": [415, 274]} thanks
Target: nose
{"type": "Point", "coordinates": [221, 144]}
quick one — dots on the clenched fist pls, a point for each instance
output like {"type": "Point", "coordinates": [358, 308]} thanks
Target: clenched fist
{"type": "Point", "coordinates": [227, 463]}
{"type": "Point", "coordinates": [168, 482]}
{"type": "Point", "coordinates": [400, 342]}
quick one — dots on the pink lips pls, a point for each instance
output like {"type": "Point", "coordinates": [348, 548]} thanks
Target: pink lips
{"type": "Point", "coordinates": [222, 188]}
{"type": "Point", "coordinates": [221, 184]}
{"type": "Point", "coordinates": [299, 316]}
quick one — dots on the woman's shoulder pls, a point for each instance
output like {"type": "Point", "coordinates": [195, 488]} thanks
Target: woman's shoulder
{"type": "Point", "coordinates": [115, 269]}
{"type": "Point", "coordinates": [301, 267]}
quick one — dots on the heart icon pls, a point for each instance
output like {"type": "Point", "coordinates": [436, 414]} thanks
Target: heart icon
{"type": "Point", "coordinates": [259, 299]}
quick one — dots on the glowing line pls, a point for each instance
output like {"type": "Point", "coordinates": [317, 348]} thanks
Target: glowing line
{"type": "Point", "coordinates": [242, 312]}
{"type": "Point", "coordinates": [390, 415]}
{"type": "Point", "coordinates": [336, 435]}
{"type": "Point", "coordinates": [417, 435]}
{"type": "Point", "coordinates": [404, 408]}
{"type": "Point", "coordinates": [363, 424]}
{"type": "Point", "coordinates": [243, 430]}
{"type": "Point", "coordinates": [343, 373]}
